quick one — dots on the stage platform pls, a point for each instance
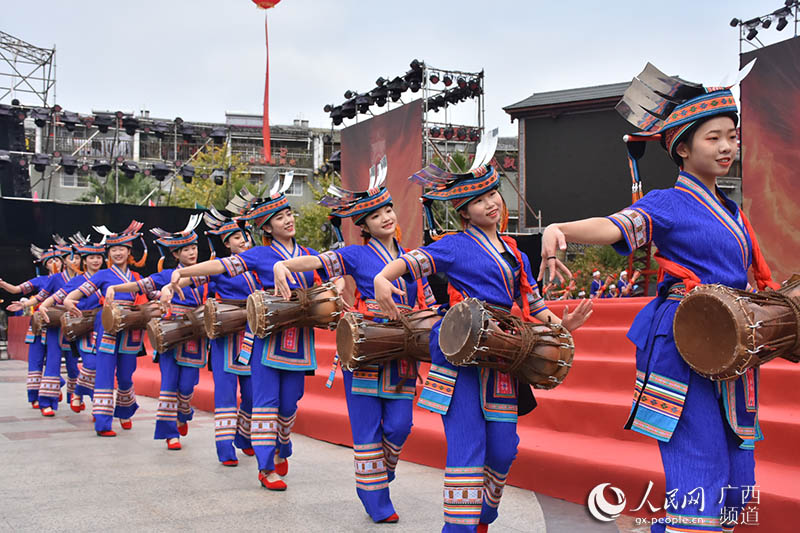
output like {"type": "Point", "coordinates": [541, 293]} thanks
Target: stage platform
{"type": "Point", "coordinates": [574, 440]}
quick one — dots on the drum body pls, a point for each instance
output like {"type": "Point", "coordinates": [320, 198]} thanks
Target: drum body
{"type": "Point", "coordinates": [361, 341]}
{"type": "Point", "coordinates": [474, 333]}
{"type": "Point", "coordinates": [75, 327]}
{"type": "Point", "coordinates": [320, 306]}
{"type": "Point", "coordinates": [182, 326]}
{"type": "Point", "coordinates": [53, 313]}
{"type": "Point", "coordinates": [721, 332]}
{"type": "Point", "coordinates": [224, 317]}
{"type": "Point", "coordinates": [118, 316]}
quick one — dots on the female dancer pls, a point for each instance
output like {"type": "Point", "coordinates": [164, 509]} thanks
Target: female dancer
{"type": "Point", "coordinates": [379, 396]}
{"type": "Point", "coordinates": [283, 358]}
{"type": "Point", "coordinates": [53, 263]}
{"type": "Point", "coordinates": [116, 353]}
{"type": "Point", "coordinates": [478, 406]}
{"type": "Point", "coordinates": [92, 257]}
{"type": "Point", "coordinates": [180, 366]}
{"type": "Point", "coordinates": [706, 430]}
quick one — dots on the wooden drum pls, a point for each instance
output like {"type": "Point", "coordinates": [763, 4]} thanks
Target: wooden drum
{"type": "Point", "coordinates": [182, 326]}
{"type": "Point", "coordinates": [319, 306]}
{"type": "Point", "coordinates": [119, 315]}
{"type": "Point", "coordinates": [75, 327]}
{"type": "Point", "coordinates": [224, 317]}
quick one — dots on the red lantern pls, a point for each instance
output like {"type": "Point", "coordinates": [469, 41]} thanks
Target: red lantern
{"type": "Point", "coordinates": [266, 4]}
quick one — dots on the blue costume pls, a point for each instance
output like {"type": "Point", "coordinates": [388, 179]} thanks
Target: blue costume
{"type": "Point", "coordinates": [56, 348]}
{"type": "Point", "coordinates": [280, 360]}
{"type": "Point", "coordinates": [36, 349]}
{"type": "Point", "coordinates": [379, 396]}
{"type": "Point", "coordinates": [478, 405]}
{"type": "Point", "coordinates": [706, 430]}
{"type": "Point", "coordinates": [596, 285]}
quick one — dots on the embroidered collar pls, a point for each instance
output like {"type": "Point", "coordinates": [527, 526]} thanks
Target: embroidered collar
{"type": "Point", "coordinates": [297, 251]}
{"type": "Point", "coordinates": [385, 255]}
{"type": "Point", "coordinates": [508, 273]}
{"type": "Point", "coordinates": [124, 275]}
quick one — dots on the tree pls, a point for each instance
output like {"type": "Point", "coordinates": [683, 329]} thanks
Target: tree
{"type": "Point", "coordinates": [202, 191]}
{"type": "Point", "coordinates": [131, 191]}
{"type": "Point", "coordinates": [443, 212]}
{"type": "Point", "coordinates": [313, 229]}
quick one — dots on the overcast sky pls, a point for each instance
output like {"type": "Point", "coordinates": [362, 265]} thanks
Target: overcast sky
{"type": "Point", "coordinates": [199, 58]}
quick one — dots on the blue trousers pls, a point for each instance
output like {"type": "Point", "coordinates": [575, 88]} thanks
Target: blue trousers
{"type": "Point", "coordinates": [704, 466]}
{"type": "Point", "coordinates": [71, 362]}
{"type": "Point", "coordinates": [35, 366]}
{"type": "Point", "coordinates": [231, 423]}
{"type": "Point", "coordinates": [121, 365]}
{"type": "Point", "coordinates": [380, 427]}
{"type": "Point", "coordinates": [275, 396]}
{"type": "Point", "coordinates": [85, 383]}
{"type": "Point", "coordinates": [174, 399]}
{"type": "Point", "coordinates": [50, 387]}
{"type": "Point", "coordinates": [479, 456]}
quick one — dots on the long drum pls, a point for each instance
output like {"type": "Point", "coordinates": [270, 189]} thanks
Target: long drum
{"type": "Point", "coordinates": [118, 315]}
{"type": "Point", "coordinates": [721, 332]}
{"type": "Point", "coordinates": [75, 327]}
{"type": "Point", "coordinates": [474, 333]}
{"type": "Point", "coordinates": [360, 341]}
{"type": "Point", "coordinates": [165, 333]}
{"type": "Point", "coordinates": [53, 313]}
{"type": "Point", "coordinates": [224, 317]}
{"type": "Point", "coordinates": [319, 306]}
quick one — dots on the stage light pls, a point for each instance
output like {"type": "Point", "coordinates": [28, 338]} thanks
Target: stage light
{"type": "Point", "coordinates": [474, 135]}
{"type": "Point", "coordinates": [335, 161]}
{"type": "Point", "coordinates": [461, 82]}
{"type": "Point", "coordinates": [414, 85]}
{"type": "Point", "coordinates": [218, 175]}
{"type": "Point", "coordinates": [103, 122]}
{"type": "Point", "coordinates": [328, 108]}
{"type": "Point", "coordinates": [735, 22]}
{"type": "Point", "coordinates": [435, 132]}
{"type": "Point", "coordinates": [363, 101]}
{"type": "Point", "coordinates": [431, 103]}
{"type": "Point", "coordinates": [40, 162]}
{"type": "Point", "coordinates": [447, 80]}
{"type": "Point", "coordinates": [349, 109]}
{"type": "Point", "coordinates": [178, 121]}
{"type": "Point", "coordinates": [396, 88]}
{"type": "Point", "coordinates": [781, 23]}
{"type": "Point", "coordinates": [349, 93]}
{"type": "Point", "coordinates": [380, 82]}
{"type": "Point", "coordinates": [40, 116]}
{"type": "Point", "coordinates": [187, 173]}
{"type": "Point", "coordinates": [160, 171]}
{"type": "Point", "coordinates": [474, 83]}
{"type": "Point", "coordinates": [448, 133]}
{"type": "Point", "coordinates": [752, 34]}
{"type": "Point", "coordinates": [461, 134]}
{"type": "Point", "coordinates": [69, 163]}
{"type": "Point", "coordinates": [379, 95]}
{"type": "Point", "coordinates": [415, 65]}
{"type": "Point", "coordinates": [131, 124]}
{"type": "Point", "coordinates": [187, 132]}
{"type": "Point", "coordinates": [101, 167]}
{"type": "Point", "coordinates": [130, 168]}
{"type": "Point", "coordinates": [218, 135]}
{"type": "Point", "coordinates": [434, 78]}
{"type": "Point", "coordinates": [766, 23]}
{"type": "Point", "coordinates": [159, 128]}
{"type": "Point", "coordinates": [70, 120]}
{"type": "Point", "coordinates": [336, 115]}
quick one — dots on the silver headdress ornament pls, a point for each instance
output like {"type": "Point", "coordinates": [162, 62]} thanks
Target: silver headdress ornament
{"type": "Point", "coordinates": [432, 175]}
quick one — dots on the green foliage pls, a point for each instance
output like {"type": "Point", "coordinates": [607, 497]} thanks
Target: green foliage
{"type": "Point", "coordinates": [131, 191]}
{"type": "Point", "coordinates": [311, 223]}
{"type": "Point", "coordinates": [589, 258]}
{"type": "Point", "coordinates": [443, 212]}
{"type": "Point", "coordinates": [203, 191]}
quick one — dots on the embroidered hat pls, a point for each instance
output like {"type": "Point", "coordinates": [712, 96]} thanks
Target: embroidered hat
{"type": "Point", "coordinates": [172, 242]}
{"type": "Point", "coordinates": [125, 238]}
{"type": "Point", "coordinates": [260, 210]}
{"type": "Point", "coordinates": [665, 108]}
{"type": "Point", "coordinates": [460, 189]}
{"type": "Point", "coordinates": [222, 226]}
{"type": "Point", "coordinates": [84, 247]}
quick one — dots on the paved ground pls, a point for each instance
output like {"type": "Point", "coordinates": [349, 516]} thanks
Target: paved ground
{"type": "Point", "coordinates": [56, 475]}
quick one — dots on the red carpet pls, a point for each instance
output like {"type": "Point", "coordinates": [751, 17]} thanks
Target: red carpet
{"type": "Point", "coordinates": [574, 440]}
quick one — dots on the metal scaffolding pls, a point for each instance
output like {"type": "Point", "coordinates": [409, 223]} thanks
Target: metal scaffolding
{"type": "Point", "coordinates": [26, 69]}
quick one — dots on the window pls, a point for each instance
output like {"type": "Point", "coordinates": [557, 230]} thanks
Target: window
{"type": "Point", "coordinates": [75, 180]}
{"type": "Point", "coordinates": [296, 188]}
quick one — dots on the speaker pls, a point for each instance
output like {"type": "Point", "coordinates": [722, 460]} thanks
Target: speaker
{"type": "Point", "coordinates": [14, 178]}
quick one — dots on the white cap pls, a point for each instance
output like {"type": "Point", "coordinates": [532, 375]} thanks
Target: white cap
{"type": "Point", "coordinates": [623, 273]}
{"type": "Point", "coordinates": [612, 286]}
{"type": "Point", "coordinates": [595, 272]}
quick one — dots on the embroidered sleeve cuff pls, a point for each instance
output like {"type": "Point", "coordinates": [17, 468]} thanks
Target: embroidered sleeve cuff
{"type": "Point", "coordinates": [234, 265]}
{"type": "Point", "coordinates": [636, 227]}
{"type": "Point", "coordinates": [536, 304]}
{"type": "Point", "coordinates": [27, 287]}
{"type": "Point", "coordinates": [87, 288]}
{"type": "Point", "coordinates": [419, 263]}
{"type": "Point", "coordinates": [430, 299]}
{"type": "Point", "coordinates": [146, 285]}
{"type": "Point", "coordinates": [332, 263]}
{"type": "Point", "coordinates": [59, 296]}
{"type": "Point", "coordinates": [42, 295]}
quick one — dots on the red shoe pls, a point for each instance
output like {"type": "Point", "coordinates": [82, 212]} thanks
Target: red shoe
{"type": "Point", "coordinates": [183, 429]}
{"type": "Point", "coordinates": [230, 463]}
{"type": "Point", "coordinates": [35, 405]}
{"type": "Point", "coordinates": [270, 485]}
{"type": "Point", "coordinates": [390, 519]}
{"type": "Point", "coordinates": [282, 468]}
{"type": "Point", "coordinates": [250, 452]}
{"type": "Point", "coordinates": [126, 424]}
{"type": "Point", "coordinates": [176, 445]}
{"type": "Point", "coordinates": [107, 433]}
{"type": "Point", "coordinates": [483, 528]}
{"type": "Point", "coordinates": [94, 419]}
{"type": "Point", "coordinates": [77, 407]}
{"type": "Point", "coordinates": [60, 396]}
{"type": "Point", "coordinates": [48, 411]}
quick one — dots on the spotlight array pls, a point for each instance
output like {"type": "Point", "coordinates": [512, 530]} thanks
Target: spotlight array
{"type": "Point", "coordinates": [780, 16]}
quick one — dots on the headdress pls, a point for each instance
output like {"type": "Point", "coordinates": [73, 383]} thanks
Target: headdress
{"type": "Point", "coordinates": [357, 204]}
{"type": "Point", "coordinates": [221, 225]}
{"type": "Point", "coordinates": [260, 210]}
{"type": "Point", "coordinates": [125, 238]}
{"type": "Point", "coordinates": [665, 108]}
{"type": "Point", "coordinates": [173, 242]}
